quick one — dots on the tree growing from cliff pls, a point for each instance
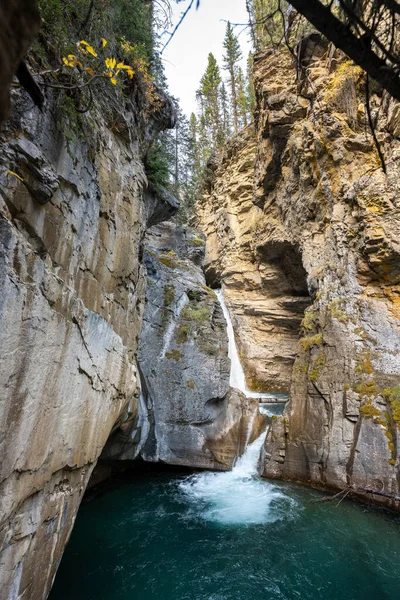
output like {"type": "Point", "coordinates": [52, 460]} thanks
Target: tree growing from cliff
{"type": "Point", "coordinates": [366, 30]}
{"type": "Point", "coordinates": [242, 98]}
{"type": "Point", "coordinates": [232, 57]}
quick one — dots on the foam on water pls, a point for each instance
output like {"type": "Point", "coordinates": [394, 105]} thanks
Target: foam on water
{"type": "Point", "coordinates": [237, 496]}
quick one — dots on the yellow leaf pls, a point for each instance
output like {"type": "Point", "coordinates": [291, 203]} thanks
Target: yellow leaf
{"type": "Point", "coordinates": [14, 174]}
{"type": "Point", "coordinates": [111, 63]}
{"type": "Point", "coordinates": [114, 80]}
{"type": "Point", "coordinates": [91, 50]}
{"type": "Point", "coordinates": [103, 42]}
{"type": "Point", "coordinates": [83, 43]}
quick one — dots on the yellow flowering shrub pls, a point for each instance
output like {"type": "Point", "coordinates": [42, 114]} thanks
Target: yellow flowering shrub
{"type": "Point", "coordinates": [91, 63]}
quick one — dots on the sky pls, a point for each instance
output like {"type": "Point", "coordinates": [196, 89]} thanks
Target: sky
{"type": "Point", "coordinates": [202, 31]}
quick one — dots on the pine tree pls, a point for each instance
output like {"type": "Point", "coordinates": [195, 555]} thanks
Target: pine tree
{"type": "Point", "coordinates": [232, 56]}
{"type": "Point", "coordinates": [251, 94]}
{"type": "Point", "coordinates": [226, 117]}
{"type": "Point", "coordinates": [209, 96]}
{"type": "Point", "coordinates": [242, 98]}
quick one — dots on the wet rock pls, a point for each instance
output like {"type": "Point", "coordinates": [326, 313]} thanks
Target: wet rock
{"type": "Point", "coordinates": [72, 221]}
{"type": "Point", "coordinates": [192, 416]}
{"type": "Point", "coordinates": [310, 263]}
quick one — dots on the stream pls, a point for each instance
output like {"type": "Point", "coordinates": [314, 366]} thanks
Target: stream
{"type": "Point", "coordinates": [164, 534]}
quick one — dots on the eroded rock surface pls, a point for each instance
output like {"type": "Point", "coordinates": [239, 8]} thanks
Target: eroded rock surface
{"type": "Point", "coordinates": [72, 219]}
{"type": "Point", "coordinates": [264, 281]}
{"type": "Point", "coordinates": [188, 414]}
{"type": "Point", "coordinates": [322, 208]}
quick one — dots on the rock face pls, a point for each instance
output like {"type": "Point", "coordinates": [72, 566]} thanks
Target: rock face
{"type": "Point", "coordinates": [188, 415]}
{"type": "Point", "coordinates": [72, 295]}
{"type": "Point", "coordinates": [326, 215]}
{"type": "Point", "coordinates": [19, 23]}
{"type": "Point", "coordinates": [264, 282]}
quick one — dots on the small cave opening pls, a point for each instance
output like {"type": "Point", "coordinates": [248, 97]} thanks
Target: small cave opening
{"type": "Point", "coordinates": [286, 258]}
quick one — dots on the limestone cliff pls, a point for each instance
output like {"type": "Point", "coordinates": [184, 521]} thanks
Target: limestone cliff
{"type": "Point", "coordinates": [188, 415]}
{"type": "Point", "coordinates": [317, 213]}
{"type": "Point", "coordinates": [72, 219]}
{"type": "Point", "coordinates": [265, 289]}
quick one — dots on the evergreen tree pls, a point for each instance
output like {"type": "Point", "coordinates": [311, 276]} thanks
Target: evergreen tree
{"type": "Point", "coordinates": [232, 56]}
{"type": "Point", "coordinates": [251, 94]}
{"type": "Point", "coordinates": [209, 95]}
{"type": "Point", "coordinates": [242, 98]}
{"type": "Point", "coordinates": [226, 117]}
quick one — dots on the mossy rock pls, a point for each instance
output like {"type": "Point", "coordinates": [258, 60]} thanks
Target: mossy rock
{"type": "Point", "coordinates": [174, 355]}
{"type": "Point", "coordinates": [182, 333]}
{"type": "Point", "coordinates": [169, 294]}
{"type": "Point", "coordinates": [310, 341]}
{"type": "Point", "coordinates": [369, 411]}
{"type": "Point", "coordinates": [197, 242]}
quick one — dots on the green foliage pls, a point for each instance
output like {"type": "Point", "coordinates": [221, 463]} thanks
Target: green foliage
{"type": "Point", "coordinates": [310, 341]}
{"type": "Point", "coordinates": [369, 411]}
{"type": "Point", "coordinates": [209, 96]}
{"type": "Point", "coordinates": [157, 163]}
{"type": "Point", "coordinates": [182, 333]}
{"type": "Point", "coordinates": [169, 294]}
{"type": "Point", "coordinates": [175, 355]}
{"type": "Point", "coordinates": [168, 261]}
{"type": "Point", "coordinates": [392, 395]}
{"type": "Point", "coordinates": [195, 313]}
{"type": "Point", "coordinates": [197, 242]}
{"type": "Point", "coordinates": [65, 21]}
{"type": "Point", "coordinates": [308, 322]}
{"type": "Point", "coordinates": [232, 56]}
{"type": "Point", "coordinates": [268, 24]}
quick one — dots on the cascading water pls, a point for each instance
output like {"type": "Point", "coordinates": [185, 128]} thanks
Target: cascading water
{"type": "Point", "coordinates": [237, 377]}
{"type": "Point", "coordinates": [237, 496]}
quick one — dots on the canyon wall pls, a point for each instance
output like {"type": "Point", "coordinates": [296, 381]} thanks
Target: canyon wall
{"type": "Point", "coordinates": [189, 416]}
{"type": "Point", "coordinates": [316, 205]}
{"type": "Point", "coordinates": [72, 218]}
{"type": "Point", "coordinates": [265, 289]}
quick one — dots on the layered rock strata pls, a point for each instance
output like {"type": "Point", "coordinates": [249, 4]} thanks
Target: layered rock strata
{"type": "Point", "coordinates": [330, 193]}
{"type": "Point", "coordinates": [72, 219]}
{"type": "Point", "coordinates": [188, 415]}
{"type": "Point", "coordinates": [264, 281]}
{"type": "Point", "coordinates": [326, 213]}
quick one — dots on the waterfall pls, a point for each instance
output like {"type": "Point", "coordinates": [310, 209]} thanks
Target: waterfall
{"type": "Point", "coordinates": [169, 332]}
{"type": "Point", "coordinates": [234, 497]}
{"type": "Point", "coordinates": [237, 377]}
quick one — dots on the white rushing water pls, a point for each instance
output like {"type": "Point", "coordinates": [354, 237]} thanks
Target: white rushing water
{"type": "Point", "coordinates": [237, 496]}
{"type": "Point", "coordinates": [237, 377]}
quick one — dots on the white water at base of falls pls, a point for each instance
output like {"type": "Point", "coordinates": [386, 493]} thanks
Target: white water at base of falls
{"type": "Point", "coordinates": [237, 377]}
{"type": "Point", "coordinates": [237, 496]}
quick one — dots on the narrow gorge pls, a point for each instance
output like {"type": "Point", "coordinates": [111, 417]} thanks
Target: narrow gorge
{"type": "Point", "coordinates": [199, 318]}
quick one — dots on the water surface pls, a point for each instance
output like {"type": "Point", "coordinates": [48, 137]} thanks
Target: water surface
{"type": "Point", "coordinates": [227, 536]}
